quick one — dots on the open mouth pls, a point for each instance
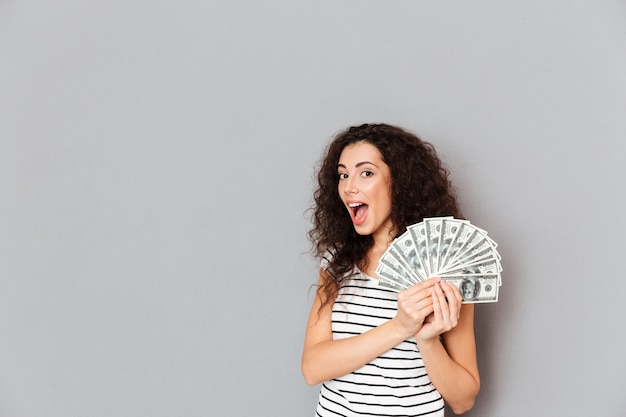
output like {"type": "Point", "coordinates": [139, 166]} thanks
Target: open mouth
{"type": "Point", "coordinates": [359, 212]}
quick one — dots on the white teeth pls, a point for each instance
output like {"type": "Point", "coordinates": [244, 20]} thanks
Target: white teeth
{"type": "Point", "coordinates": [355, 205]}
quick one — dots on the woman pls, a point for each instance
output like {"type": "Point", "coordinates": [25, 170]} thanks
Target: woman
{"type": "Point", "coordinates": [376, 352]}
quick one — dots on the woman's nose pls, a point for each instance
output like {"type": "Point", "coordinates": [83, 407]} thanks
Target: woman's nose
{"type": "Point", "coordinates": [350, 187]}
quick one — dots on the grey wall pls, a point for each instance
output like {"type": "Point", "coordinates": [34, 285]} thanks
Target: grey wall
{"type": "Point", "coordinates": [156, 163]}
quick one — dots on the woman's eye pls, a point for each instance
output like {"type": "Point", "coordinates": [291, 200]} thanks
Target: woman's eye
{"type": "Point", "coordinates": [367, 173]}
{"type": "Point", "coordinates": [343, 176]}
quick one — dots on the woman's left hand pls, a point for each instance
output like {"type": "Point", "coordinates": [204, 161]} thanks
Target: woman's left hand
{"type": "Point", "coordinates": [446, 312]}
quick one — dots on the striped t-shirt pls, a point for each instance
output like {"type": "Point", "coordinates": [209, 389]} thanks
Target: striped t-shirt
{"type": "Point", "coordinates": [393, 384]}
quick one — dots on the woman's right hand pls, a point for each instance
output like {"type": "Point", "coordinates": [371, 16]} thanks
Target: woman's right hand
{"type": "Point", "coordinates": [415, 305]}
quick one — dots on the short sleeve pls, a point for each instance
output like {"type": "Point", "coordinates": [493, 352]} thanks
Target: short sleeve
{"type": "Point", "coordinates": [326, 259]}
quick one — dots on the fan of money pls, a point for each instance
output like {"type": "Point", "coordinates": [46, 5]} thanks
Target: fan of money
{"type": "Point", "coordinates": [445, 247]}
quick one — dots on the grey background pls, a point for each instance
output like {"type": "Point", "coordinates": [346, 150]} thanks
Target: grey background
{"type": "Point", "coordinates": [156, 163]}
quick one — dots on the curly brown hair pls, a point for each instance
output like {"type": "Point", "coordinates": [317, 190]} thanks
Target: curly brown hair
{"type": "Point", "coordinates": [420, 187]}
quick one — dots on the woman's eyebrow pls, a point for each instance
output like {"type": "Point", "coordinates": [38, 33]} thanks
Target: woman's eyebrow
{"type": "Point", "coordinates": [358, 165]}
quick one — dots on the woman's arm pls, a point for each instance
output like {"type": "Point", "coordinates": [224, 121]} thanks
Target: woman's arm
{"type": "Point", "coordinates": [324, 358]}
{"type": "Point", "coordinates": [451, 360]}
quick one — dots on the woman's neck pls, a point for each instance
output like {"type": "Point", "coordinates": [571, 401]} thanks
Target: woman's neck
{"type": "Point", "coordinates": [374, 253]}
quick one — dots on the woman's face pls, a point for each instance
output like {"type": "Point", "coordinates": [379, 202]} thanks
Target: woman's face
{"type": "Point", "coordinates": [365, 189]}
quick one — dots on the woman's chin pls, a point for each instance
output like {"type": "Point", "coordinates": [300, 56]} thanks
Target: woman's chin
{"type": "Point", "coordinates": [362, 229]}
